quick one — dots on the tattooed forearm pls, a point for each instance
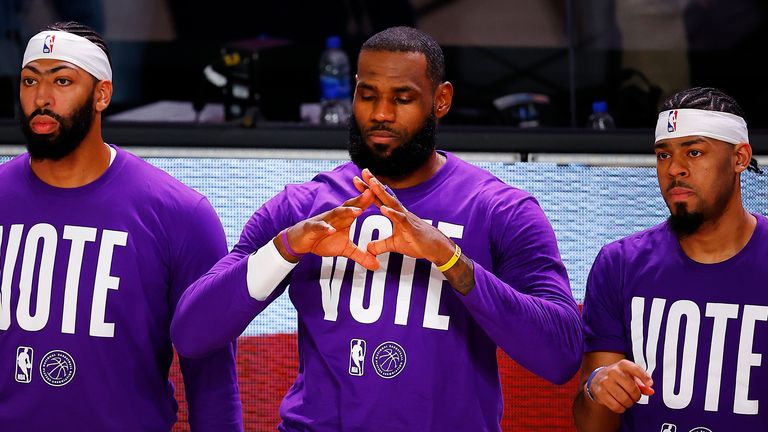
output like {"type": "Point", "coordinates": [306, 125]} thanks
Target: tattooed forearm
{"type": "Point", "coordinates": [462, 275]}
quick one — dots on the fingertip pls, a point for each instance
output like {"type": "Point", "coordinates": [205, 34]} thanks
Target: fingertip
{"type": "Point", "coordinates": [374, 265]}
{"type": "Point", "coordinates": [371, 248]}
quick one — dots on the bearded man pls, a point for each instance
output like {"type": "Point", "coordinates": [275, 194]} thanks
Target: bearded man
{"type": "Point", "coordinates": [674, 317]}
{"type": "Point", "coordinates": [405, 283]}
{"type": "Point", "coordinates": [96, 248]}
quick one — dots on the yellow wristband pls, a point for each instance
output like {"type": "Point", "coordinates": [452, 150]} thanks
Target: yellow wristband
{"type": "Point", "coordinates": [451, 262]}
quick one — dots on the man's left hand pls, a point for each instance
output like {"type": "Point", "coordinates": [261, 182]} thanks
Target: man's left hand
{"type": "Point", "coordinates": [411, 236]}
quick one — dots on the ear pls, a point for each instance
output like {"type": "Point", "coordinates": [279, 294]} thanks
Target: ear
{"type": "Point", "coordinates": [102, 95]}
{"type": "Point", "coordinates": [743, 154]}
{"type": "Point", "coordinates": [443, 99]}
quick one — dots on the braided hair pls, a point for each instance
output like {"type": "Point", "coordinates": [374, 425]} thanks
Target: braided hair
{"type": "Point", "coordinates": [408, 39]}
{"type": "Point", "coordinates": [709, 99]}
{"type": "Point", "coordinates": [84, 31]}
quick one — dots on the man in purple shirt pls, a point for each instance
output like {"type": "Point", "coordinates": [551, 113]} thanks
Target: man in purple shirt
{"type": "Point", "coordinates": [96, 248]}
{"type": "Point", "coordinates": [402, 301]}
{"type": "Point", "coordinates": [676, 321]}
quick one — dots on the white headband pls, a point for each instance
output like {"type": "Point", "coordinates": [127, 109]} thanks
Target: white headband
{"type": "Point", "coordinates": [695, 122]}
{"type": "Point", "coordinates": [59, 45]}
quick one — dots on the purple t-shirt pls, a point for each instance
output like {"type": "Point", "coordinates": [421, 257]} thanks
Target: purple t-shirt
{"type": "Point", "coordinates": [399, 348]}
{"type": "Point", "coordinates": [700, 330]}
{"type": "Point", "coordinates": [90, 277]}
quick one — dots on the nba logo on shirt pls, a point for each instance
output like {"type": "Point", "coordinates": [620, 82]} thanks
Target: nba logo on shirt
{"type": "Point", "coordinates": [24, 356]}
{"type": "Point", "coordinates": [668, 427]}
{"type": "Point", "coordinates": [672, 121]}
{"type": "Point", "coordinates": [356, 357]}
{"type": "Point", "coordinates": [48, 44]}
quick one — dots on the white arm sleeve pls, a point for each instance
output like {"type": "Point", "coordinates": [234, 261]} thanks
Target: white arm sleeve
{"type": "Point", "coordinates": [266, 268]}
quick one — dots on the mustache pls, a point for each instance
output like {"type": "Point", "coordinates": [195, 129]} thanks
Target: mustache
{"type": "Point", "coordinates": [678, 183]}
{"type": "Point", "coordinates": [382, 127]}
{"type": "Point", "coordinates": [45, 112]}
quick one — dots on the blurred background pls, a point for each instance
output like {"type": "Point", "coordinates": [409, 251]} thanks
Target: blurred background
{"type": "Point", "coordinates": [555, 57]}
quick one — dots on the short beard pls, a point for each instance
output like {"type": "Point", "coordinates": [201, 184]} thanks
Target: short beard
{"type": "Point", "coordinates": [403, 160]}
{"type": "Point", "coordinates": [71, 133]}
{"type": "Point", "coordinates": [683, 223]}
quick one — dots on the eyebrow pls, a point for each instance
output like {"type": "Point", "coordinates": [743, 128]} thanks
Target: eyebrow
{"type": "Point", "coordinates": [401, 89]}
{"type": "Point", "coordinates": [692, 141]}
{"type": "Point", "coordinates": [49, 71]}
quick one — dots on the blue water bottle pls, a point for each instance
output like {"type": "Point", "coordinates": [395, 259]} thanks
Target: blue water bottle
{"type": "Point", "coordinates": [335, 89]}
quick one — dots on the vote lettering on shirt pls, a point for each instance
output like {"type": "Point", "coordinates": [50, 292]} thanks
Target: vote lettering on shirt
{"type": "Point", "coordinates": [682, 323]}
{"type": "Point", "coordinates": [31, 254]}
{"type": "Point", "coordinates": [333, 270]}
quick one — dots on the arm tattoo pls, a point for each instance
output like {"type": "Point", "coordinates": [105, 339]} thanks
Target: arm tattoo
{"type": "Point", "coordinates": [462, 275]}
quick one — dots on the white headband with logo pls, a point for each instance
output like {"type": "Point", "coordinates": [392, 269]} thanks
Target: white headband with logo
{"type": "Point", "coordinates": [695, 122]}
{"type": "Point", "coordinates": [59, 45]}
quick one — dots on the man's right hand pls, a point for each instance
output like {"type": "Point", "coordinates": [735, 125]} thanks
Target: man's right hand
{"type": "Point", "coordinates": [620, 385]}
{"type": "Point", "coordinates": [327, 234]}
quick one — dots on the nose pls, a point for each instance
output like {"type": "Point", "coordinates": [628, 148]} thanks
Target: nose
{"type": "Point", "coordinates": [43, 95]}
{"type": "Point", "coordinates": [677, 168]}
{"type": "Point", "coordinates": [383, 111]}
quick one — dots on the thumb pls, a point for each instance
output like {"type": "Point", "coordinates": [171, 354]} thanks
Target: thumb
{"type": "Point", "coordinates": [365, 259]}
{"type": "Point", "coordinates": [320, 227]}
{"type": "Point", "coordinates": [378, 247]}
{"type": "Point", "coordinates": [645, 386]}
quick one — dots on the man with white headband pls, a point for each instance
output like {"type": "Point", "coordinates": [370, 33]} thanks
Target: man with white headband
{"type": "Point", "coordinates": [676, 316]}
{"type": "Point", "coordinates": [96, 248]}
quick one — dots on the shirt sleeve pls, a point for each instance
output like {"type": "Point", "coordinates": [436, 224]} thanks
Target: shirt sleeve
{"type": "Point", "coordinates": [524, 303]}
{"type": "Point", "coordinates": [603, 309]}
{"type": "Point", "coordinates": [210, 383]}
{"type": "Point", "coordinates": [217, 308]}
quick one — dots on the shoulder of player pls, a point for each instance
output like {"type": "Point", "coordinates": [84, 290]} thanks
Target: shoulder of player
{"type": "Point", "coordinates": [341, 174]}
{"type": "Point", "coordinates": [483, 184]}
{"type": "Point", "coordinates": [12, 173]}
{"type": "Point", "coordinates": [9, 167]}
{"type": "Point", "coordinates": [335, 181]}
{"type": "Point", "coordinates": [638, 246]}
{"type": "Point", "coordinates": [155, 186]}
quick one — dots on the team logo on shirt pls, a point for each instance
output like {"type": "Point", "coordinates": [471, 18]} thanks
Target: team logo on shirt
{"type": "Point", "coordinates": [388, 360]}
{"type": "Point", "coordinates": [356, 357]}
{"type": "Point", "coordinates": [57, 368]}
{"type": "Point", "coordinates": [700, 429]}
{"type": "Point", "coordinates": [668, 427]}
{"type": "Point", "coordinates": [24, 358]}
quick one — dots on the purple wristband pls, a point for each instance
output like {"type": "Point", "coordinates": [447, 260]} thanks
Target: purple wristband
{"type": "Point", "coordinates": [291, 252]}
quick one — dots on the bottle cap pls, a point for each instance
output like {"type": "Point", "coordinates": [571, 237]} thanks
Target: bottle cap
{"type": "Point", "coordinates": [333, 42]}
{"type": "Point", "coordinates": [599, 106]}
